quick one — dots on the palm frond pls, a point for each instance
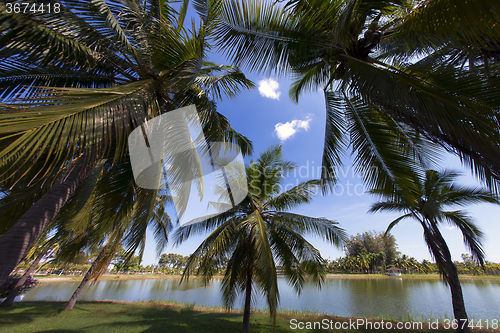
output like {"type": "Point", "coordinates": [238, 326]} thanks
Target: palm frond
{"type": "Point", "coordinates": [313, 75]}
{"type": "Point", "coordinates": [391, 206]}
{"type": "Point", "coordinates": [432, 110]}
{"type": "Point", "coordinates": [69, 121]}
{"type": "Point", "coordinates": [29, 35]}
{"type": "Point", "coordinates": [335, 142]}
{"type": "Point", "coordinates": [299, 194]}
{"type": "Point", "coordinates": [396, 221]}
{"type": "Point", "coordinates": [227, 83]}
{"type": "Point", "coordinates": [471, 233]}
{"type": "Point", "coordinates": [443, 22]}
{"type": "Point", "coordinates": [261, 36]}
{"type": "Point", "coordinates": [320, 227]}
{"type": "Point", "coordinates": [297, 256]}
{"type": "Point", "coordinates": [380, 158]}
{"type": "Point", "coordinates": [461, 196]}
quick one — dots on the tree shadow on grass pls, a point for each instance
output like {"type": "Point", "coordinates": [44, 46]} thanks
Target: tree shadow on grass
{"type": "Point", "coordinates": [59, 331]}
{"type": "Point", "coordinates": [115, 317]}
{"type": "Point", "coordinates": [173, 319]}
{"type": "Point", "coordinates": [26, 312]}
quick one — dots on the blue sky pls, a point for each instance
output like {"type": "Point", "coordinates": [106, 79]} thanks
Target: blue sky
{"type": "Point", "coordinates": [267, 116]}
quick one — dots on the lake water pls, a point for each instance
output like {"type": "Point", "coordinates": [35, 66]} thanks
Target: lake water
{"type": "Point", "coordinates": [392, 297]}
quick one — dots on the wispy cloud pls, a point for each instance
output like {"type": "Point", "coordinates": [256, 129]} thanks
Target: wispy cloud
{"type": "Point", "coordinates": [288, 129]}
{"type": "Point", "coordinates": [269, 88]}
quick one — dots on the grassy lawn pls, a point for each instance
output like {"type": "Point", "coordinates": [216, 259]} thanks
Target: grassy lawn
{"type": "Point", "coordinates": [111, 317]}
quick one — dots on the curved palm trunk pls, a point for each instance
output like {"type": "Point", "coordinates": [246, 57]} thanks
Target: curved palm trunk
{"type": "Point", "coordinates": [248, 289]}
{"type": "Point", "coordinates": [15, 291]}
{"type": "Point", "coordinates": [440, 249]}
{"type": "Point", "coordinates": [248, 298]}
{"type": "Point", "coordinates": [18, 239]}
{"type": "Point", "coordinates": [457, 297]}
{"type": "Point", "coordinates": [86, 278]}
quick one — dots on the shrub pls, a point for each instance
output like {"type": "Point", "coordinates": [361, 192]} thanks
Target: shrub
{"type": "Point", "coordinates": [11, 281]}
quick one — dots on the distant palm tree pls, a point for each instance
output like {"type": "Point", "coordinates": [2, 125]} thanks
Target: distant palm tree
{"type": "Point", "coordinates": [79, 81]}
{"type": "Point", "coordinates": [364, 262]}
{"type": "Point", "coordinates": [259, 234]}
{"type": "Point", "coordinates": [426, 266]}
{"type": "Point", "coordinates": [413, 265]}
{"type": "Point", "coordinates": [435, 193]}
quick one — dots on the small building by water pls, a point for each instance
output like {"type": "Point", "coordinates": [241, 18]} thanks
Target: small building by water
{"type": "Point", "coordinates": [393, 271]}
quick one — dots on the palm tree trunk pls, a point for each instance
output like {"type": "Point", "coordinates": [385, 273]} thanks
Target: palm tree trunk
{"type": "Point", "coordinates": [457, 297]}
{"type": "Point", "coordinates": [15, 291]}
{"type": "Point", "coordinates": [248, 298]}
{"type": "Point", "coordinates": [86, 278]}
{"type": "Point", "coordinates": [248, 289]}
{"type": "Point", "coordinates": [18, 239]}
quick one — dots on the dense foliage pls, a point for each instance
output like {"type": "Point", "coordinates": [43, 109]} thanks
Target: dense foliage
{"type": "Point", "coordinates": [372, 242]}
{"type": "Point", "coordinates": [11, 281]}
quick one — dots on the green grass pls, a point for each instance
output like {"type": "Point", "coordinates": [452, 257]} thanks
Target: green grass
{"type": "Point", "coordinates": [155, 316]}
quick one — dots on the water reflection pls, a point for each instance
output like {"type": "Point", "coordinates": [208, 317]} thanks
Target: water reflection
{"type": "Point", "coordinates": [393, 297]}
{"type": "Point", "coordinates": [369, 295]}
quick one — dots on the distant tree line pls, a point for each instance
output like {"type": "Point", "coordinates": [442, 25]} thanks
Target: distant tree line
{"type": "Point", "coordinates": [122, 263]}
{"type": "Point", "coordinates": [369, 252]}
{"type": "Point", "coordinates": [375, 252]}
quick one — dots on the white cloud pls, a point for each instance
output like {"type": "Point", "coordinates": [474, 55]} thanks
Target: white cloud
{"type": "Point", "coordinates": [269, 88]}
{"type": "Point", "coordinates": [288, 129]}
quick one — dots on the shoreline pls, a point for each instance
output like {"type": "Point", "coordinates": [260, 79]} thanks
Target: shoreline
{"type": "Point", "coordinates": [112, 277]}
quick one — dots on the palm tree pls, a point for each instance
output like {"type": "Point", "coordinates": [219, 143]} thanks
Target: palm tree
{"type": "Point", "coordinates": [364, 262]}
{"type": "Point", "coordinates": [413, 265]}
{"type": "Point", "coordinates": [90, 74]}
{"type": "Point", "coordinates": [402, 262]}
{"type": "Point", "coordinates": [43, 248]}
{"type": "Point", "coordinates": [375, 260]}
{"type": "Point", "coordinates": [381, 259]}
{"type": "Point", "coordinates": [260, 234]}
{"type": "Point", "coordinates": [435, 193]}
{"type": "Point", "coordinates": [109, 210]}
{"type": "Point", "coordinates": [426, 266]}
{"type": "Point", "coordinates": [392, 71]}
{"type": "Point", "coordinates": [345, 264]}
